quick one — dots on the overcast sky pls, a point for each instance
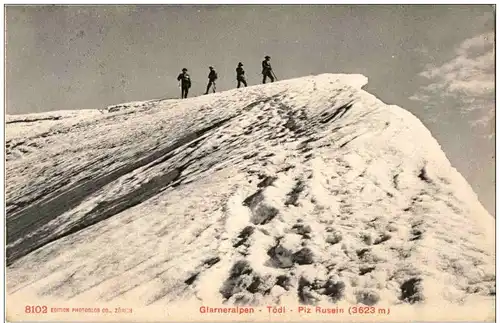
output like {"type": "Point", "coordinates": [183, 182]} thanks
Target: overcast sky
{"type": "Point", "coordinates": [435, 61]}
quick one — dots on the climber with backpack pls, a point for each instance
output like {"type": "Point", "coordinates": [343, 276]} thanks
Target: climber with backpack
{"type": "Point", "coordinates": [267, 70]}
{"type": "Point", "coordinates": [185, 80]}
{"type": "Point", "coordinates": [240, 75]}
{"type": "Point", "coordinates": [212, 77]}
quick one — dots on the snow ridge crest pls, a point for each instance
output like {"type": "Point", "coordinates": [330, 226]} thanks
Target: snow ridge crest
{"type": "Point", "coordinates": [307, 191]}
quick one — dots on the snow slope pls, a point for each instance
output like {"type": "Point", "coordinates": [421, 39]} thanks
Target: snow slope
{"type": "Point", "coordinates": [306, 191]}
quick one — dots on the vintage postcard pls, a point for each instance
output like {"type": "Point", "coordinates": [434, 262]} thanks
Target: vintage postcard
{"type": "Point", "coordinates": [250, 163]}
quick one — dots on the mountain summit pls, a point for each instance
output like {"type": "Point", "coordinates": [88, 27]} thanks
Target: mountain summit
{"type": "Point", "coordinates": [307, 191]}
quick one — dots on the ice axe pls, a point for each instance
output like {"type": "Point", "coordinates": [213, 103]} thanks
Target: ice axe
{"type": "Point", "coordinates": [274, 75]}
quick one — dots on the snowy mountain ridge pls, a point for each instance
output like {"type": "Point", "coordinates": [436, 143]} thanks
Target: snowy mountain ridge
{"type": "Point", "coordinates": [306, 191]}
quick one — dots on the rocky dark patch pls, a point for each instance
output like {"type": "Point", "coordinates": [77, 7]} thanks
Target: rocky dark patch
{"type": "Point", "coordinates": [334, 238]}
{"type": "Point", "coordinates": [416, 231]}
{"type": "Point", "coordinates": [254, 286]}
{"type": "Point", "coordinates": [194, 144]}
{"type": "Point", "coordinates": [262, 213]}
{"type": "Point", "coordinates": [365, 270]}
{"type": "Point", "coordinates": [276, 136]}
{"type": "Point", "coordinates": [424, 176]}
{"type": "Point", "coordinates": [293, 196]}
{"type": "Point", "coordinates": [367, 239]}
{"type": "Point", "coordinates": [411, 290]}
{"type": "Point", "coordinates": [241, 267]}
{"type": "Point", "coordinates": [306, 149]}
{"type": "Point", "coordinates": [334, 290]}
{"type": "Point", "coordinates": [244, 235]}
{"type": "Point", "coordinates": [339, 112]}
{"type": "Point", "coordinates": [395, 181]}
{"type": "Point", "coordinates": [280, 256]}
{"type": "Point", "coordinates": [362, 252]}
{"type": "Point", "coordinates": [34, 120]}
{"type": "Point", "coordinates": [383, 238]}
{"type": "Point", "coordinates": [268, 181]}
{"type": "Point", "coordinates": [401, 252]}
{"type": "Point", "coordinates": [305, 143]}
{"type": "Point", "coordinates": [252, 155]}
{"type": "Point", "coordinates": [241, 278]}
{"type": "Point", "coordinates": [303, 257]}
{"type": "Point", "coordinates": [191, 279]}
{"type": "Point", "coordinates": [246, 232]}
{"type": "Point", "coordinates": [211, 261]}
{"type": "Point", "coordinates": [416, 234]}
{"type": "Point", "coordinates": [244, 300]}
{"type": "Point", "coordinates": [283, 281]}
{"type": "Point", "coordinates": [304, 292]}
{"type": "Point", "coordinates": [367, 297]}
{"type": "Point", "coordinates": [348, 141]}
{"type": "Point", "coordinates": [303, 230]}
{"type": "Point", "coordinates": [254, 199]}
{"type": "Point", "coordinates": [285, 169]}
{"type": "Point", "coordinates": [291, 124]}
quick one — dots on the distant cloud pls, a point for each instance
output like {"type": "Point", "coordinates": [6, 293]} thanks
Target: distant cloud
{"type": "Point", "coordinates": [469, 78]}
